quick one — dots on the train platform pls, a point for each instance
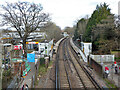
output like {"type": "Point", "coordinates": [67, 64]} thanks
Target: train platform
{"type": "Point", "coordinates": [115, 78]}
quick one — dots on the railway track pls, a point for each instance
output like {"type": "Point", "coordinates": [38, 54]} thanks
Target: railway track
{"type": "Point", "coordinates": [75, 73]}
{"type": "Point", "coordinates": [82, 65]}
{"type": "Point", "coordinates": [69, 72]}
{"type": "Point", "coordinates": [62, 78]}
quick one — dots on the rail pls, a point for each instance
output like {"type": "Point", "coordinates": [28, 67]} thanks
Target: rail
{"type": "Point", "coordinates": [83, 68]}
{"type": "Point", "coordinates": [66, 67]}
{"type": "Point", "coordinates": [75, 69]}
{"type": "Point", "coordinates": [57, 79]}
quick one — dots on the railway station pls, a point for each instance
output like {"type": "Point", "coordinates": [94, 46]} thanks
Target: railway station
{"type": "Point", "coordinates": [60, 44]}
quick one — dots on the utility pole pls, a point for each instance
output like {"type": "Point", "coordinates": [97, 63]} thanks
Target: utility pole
{"type": "Point", "coordinates": [1, 57]}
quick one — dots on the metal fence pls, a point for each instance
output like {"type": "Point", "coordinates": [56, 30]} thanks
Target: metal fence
{"type": "Point", "coordinates": [103, 58]}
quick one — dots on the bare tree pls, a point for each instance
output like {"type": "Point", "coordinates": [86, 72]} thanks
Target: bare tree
{"type": "Point", "coordinates": [70, 30]}
{"type": "Point", "coordinates": [53, 31]}
{"type": "Point", "coordinates": [25, 17]}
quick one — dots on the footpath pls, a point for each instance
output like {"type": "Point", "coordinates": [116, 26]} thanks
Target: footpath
{"type": "Point", "coordinates": [28, 78]}
{"type": "Point", "coordinates": [115, 78]}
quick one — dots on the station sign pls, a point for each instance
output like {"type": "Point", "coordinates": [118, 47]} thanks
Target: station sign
{"type": "Point", "coordinates": [32, 42]}
{"type": "Point", "coordinates": [17, 47]}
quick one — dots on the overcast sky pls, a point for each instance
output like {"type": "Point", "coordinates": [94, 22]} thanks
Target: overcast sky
{"type": "Point", "coordinates": [66, 12]}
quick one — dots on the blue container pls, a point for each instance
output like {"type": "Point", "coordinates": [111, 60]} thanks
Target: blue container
{"type": "Point", "coordinates": [31, 57]}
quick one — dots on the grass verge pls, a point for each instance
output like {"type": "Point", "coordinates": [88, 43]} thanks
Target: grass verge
{"type": "Point", "coordinates": [110, 84]}
{"type": "Point", "coordinates": [43, 70]}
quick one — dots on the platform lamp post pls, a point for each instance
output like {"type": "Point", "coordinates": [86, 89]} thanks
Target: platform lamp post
{"type": "Point", "coordinates": [81, 37]}
{"type": "Point", "coordinates": [89, 54]}
{"type": "Point", "coordinates": [45, 48]}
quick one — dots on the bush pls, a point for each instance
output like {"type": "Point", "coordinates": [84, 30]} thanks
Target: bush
{"type": "Point", "coordinates": [117, 59]}
{"type": "Point", "coordinates": [7, 72]}
{"type": "Point", "coordinates": [42, 61]}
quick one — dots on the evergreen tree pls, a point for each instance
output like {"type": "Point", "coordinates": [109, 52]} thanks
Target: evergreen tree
{"type": "Point", "coordinates": [100, 13]}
